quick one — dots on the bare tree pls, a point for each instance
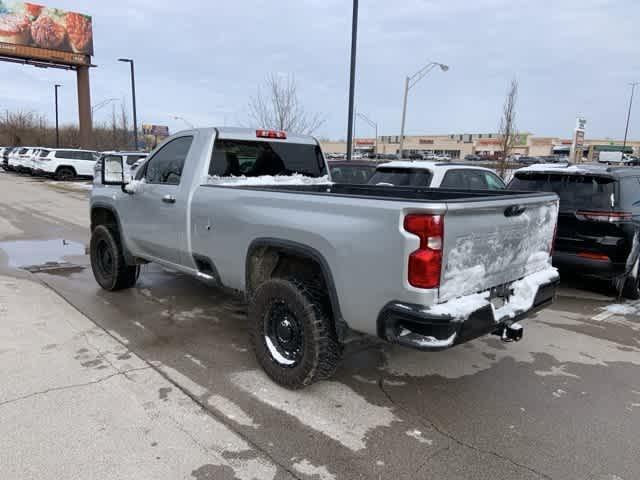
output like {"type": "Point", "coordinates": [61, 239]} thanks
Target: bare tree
{"type": "Point", "coordinates": [276, 105]}
{"type": "Point", "coordinates": [508, 132]}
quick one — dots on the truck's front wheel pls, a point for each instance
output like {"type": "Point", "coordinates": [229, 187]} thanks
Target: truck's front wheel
{"type": "Point", "coordinates": [107, 261]}
{"type": "Point", "coordinates": [292, 333]}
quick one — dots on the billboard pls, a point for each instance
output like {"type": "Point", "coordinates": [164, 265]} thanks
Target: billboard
{"type": "Point", "coordinates": [155, 130]}
{"type": "Point", "coordinates": [31, 25]}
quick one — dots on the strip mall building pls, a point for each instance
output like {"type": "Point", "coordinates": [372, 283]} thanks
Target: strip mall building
{"type": "Point", "coordinates": [487, 144]}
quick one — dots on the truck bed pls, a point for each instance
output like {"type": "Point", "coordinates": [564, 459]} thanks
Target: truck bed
{"type": "Point", "coordinates": [392, 193]}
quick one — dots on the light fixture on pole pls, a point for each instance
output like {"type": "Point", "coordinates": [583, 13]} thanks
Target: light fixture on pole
{"type": "Point", "coordinates": [372, 124]}
{"type": "Point", "coordinates": [626, 129]}
{"type": "Point", "coordinates": [133, 95]}
{"type": "Point", "coordinates": [101, 104]}
{"type": "Point", "coordinates": [189, 124]}
{"type": "Point", "coordinates": [408, 85]}
{"type": "Point", "coordinates": [352, 78]}
{"type": "Point", "coordinates": [55, 88]}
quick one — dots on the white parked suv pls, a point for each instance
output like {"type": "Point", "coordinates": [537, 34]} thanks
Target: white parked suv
{"type": "Point", "coordinates": [20, 159]}
{"type": "Point", "coordinates": [66, 163]}
{"type": "Point", "coordinates": [459, 176]}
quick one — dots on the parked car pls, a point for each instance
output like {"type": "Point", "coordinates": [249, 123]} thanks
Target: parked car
{"type": "Point", "coordinates": [526, 160]}
{"type": "Point", "coordinates": [353, 172]}
{"type": "Point", "coordinates": [66, 163]}
{"type": "Point", "coordinates": [20, 159]}
{"type": "Point", "coordinates": [599, 220]}
{"type": "Point", "coordinates": [472, 158]}
{"type": "Point", "coordinates": [4, 157]}
{"type": "Point", "coordinates": [12, 158]}
{"type": "Point", "coordinates": [316, 259]}
{"type": "Point", "coordinates": [436, 175]}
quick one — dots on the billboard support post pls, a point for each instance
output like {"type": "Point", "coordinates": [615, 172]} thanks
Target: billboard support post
{"type": "Point", "coordinates": [84, 106]}
{"type": "Point", "coordinates": [56, 86]}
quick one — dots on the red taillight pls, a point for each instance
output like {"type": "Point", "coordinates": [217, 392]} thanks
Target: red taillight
{"type": "Point", "coordinates": [610, 217]}
{"type": "Point", "coordinates": [425, 264]}
{"type": "Point", "coordinates": [271, 134]}
{"type": "Point", "coordinates": [593, 256]}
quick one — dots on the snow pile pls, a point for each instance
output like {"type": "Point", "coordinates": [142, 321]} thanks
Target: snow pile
{"type": "Point", "coordinates": [460, 308]}
{"type": "Point", "coordinates": [265, 180]}
{"type": "Point", "coordinates": [134, 186]}
{"type": "Point", "coordinates": [524, 293]}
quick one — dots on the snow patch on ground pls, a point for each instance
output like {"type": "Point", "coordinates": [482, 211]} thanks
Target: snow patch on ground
{"type": "Point", "coordinates": [317, 407]}
{"type": "Point", "coordinates": [265, 180]}
{"type": "Point", "coordinates": [621, 309]}
{"type": "Point", "coordinates": [417, 434]}
{"type": "Point", "coordinates": [559, 371]}
{"type": "Point", "coordinates": [305, 467]}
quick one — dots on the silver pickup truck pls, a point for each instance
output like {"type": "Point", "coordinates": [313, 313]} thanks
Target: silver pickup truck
{"type": "Point", "coordinates": [255, 211]}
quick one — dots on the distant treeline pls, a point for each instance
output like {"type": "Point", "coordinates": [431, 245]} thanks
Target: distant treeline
{"type": "Point", "coordinates": [32, 129]}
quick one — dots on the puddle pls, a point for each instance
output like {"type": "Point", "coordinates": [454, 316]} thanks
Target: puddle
{"type": "Point", "coordinates": [41, 255]}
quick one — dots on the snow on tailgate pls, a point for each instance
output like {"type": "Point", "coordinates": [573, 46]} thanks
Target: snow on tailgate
{"type": "Point", "coordinates": [484, 249]}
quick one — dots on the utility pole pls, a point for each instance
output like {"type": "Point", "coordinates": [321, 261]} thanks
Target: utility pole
{"type": "Point", "coordinates": [133, 96]}
{"type": "Point", "coordinates": [626, 129]}
{"type": "Point", "coordinates": [352, 79]}
{"type": "Point", "coordinates": [55, 88]}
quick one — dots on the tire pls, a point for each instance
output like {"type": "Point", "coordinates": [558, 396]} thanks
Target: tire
{"type": "Point", "coordinates": [292, 333]}
{"type": "Point", "coordinates": [631, 288]}
{"type": "Point", "coordinates": [64, 174]}
{"type": "Point", "coordinates": [107, 261]}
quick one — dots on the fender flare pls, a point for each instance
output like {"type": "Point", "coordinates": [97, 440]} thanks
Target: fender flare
{"type": "Point", "coordinates": [129, 259]}
{"type": "Point", "coordinates": [302, 250]}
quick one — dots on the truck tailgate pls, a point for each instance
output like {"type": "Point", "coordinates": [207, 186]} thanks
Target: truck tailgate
{"type": "Point", "coordinates": [494, 242]}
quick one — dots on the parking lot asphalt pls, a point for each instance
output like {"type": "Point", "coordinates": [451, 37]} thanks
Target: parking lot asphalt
{"type": "Point", "coordinates": [564, 403]}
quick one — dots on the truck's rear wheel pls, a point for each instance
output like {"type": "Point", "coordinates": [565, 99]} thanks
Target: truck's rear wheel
{"type": "Point", "coordinates": [107, 261]}
{"type": "Point", "coordinates": [292, 333]}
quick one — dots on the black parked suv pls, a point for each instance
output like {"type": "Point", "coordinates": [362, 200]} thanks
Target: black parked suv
{"type": "Point", "coordinates": [352, 172]}
{"type": "Point", "coordinates": [599, 219]}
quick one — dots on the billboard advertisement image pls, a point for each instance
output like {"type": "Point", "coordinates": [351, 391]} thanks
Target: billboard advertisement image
{"type": "Point", "coordinates": [32, 25]}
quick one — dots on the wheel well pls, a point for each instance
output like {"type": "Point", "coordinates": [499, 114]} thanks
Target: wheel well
{"type": "Point", "coordinates": [265, 262]}
{"type": "Point", "coordinates": [67, 167]}
{"type": "Point", "coordinates": [103, 216]}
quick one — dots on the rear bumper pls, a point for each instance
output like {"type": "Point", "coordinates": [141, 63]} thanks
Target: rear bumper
{"type": "Point", "coordinates": [412, 325]}
{"type": "Point", "coordinates": [605, 269]}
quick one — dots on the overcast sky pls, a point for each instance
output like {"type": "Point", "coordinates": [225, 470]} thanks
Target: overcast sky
{"type": "Point", "coordinates": [203, 60]}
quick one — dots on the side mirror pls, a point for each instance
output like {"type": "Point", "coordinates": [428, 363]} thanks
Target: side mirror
{"type": "Point", "coordinates": [112, 171]}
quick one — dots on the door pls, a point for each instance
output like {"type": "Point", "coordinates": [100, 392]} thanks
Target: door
{"type": "Point", "coordinates": [155, 215]}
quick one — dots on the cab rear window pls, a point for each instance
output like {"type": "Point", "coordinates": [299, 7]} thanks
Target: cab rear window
{"type": "Point", "coordinates": [576, 192]}
{"type": "Point", "coordinates": [235, 158]}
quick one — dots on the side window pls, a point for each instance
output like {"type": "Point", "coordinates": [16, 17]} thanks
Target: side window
{"type": "Point", "coordinates": [64, 154]}
{"type": "Point", "coordinates": [86, 156]}
{"type": "Point", "coordinates": [494, 182]}
{"type": "Point", "coordinates": [454, 179]}
{"type": "Point", "coordinates": [166, 165]}
{"type": "Point", "coordinates": [476, 180]}
{"type": "Point", "coordinates": [630, 193]}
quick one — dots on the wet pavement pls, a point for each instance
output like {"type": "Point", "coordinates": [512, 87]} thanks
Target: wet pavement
{"type": "Point", "coordinates": [564, 403]}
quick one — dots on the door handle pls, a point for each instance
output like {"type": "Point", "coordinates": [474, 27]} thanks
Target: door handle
{"type": "Point", "coordinates": [169, 199]}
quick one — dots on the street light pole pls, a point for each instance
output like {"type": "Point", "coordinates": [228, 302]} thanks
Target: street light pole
{"type": "Point", "coordinates": [626, 130]}
{"type": "Point", "coordinates": [373, 124]}
{"type": "Point", "coordinates": [352, 78]}
{"type": "Point", "coordinates": [55, 88]}
{"type": "Point", "coordinates": [133, 95]}
{"type": "Point", "coordinates": [408, 85]}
